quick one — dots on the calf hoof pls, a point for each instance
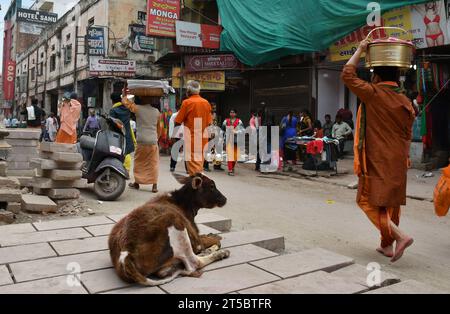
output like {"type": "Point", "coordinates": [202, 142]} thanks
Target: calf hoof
{"type": "Point", "coordinates": [196, 274]}
{"type": "Point", "coordinates": [222, 254]}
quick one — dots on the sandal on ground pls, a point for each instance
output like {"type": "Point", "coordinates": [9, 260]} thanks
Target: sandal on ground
{"type": "Point", "coordinates": [134, 186]}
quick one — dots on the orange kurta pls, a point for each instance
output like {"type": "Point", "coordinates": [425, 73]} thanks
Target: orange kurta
{"type": "Point", "coordinates": [442, 194]}
{"type": "Point", "coordinates": [195, 114]}
{"type": "Point", "coordinates": [381, 151]}
{"type": "Point", "coordinates": [70, 114]}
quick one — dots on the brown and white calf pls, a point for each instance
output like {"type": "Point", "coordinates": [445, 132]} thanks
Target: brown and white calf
{"type": "Point", "coordinates": [160, 239]}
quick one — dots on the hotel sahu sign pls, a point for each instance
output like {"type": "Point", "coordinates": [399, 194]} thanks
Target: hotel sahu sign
{"type": "Point", "coordinates": [36, 17]}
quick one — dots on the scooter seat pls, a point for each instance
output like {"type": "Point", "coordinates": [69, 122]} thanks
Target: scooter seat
{"type": "Point", "coordinates": [87, 142]}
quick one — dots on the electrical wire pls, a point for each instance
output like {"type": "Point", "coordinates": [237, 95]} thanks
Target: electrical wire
{"type": "Point", "coordinates": [201, 14]}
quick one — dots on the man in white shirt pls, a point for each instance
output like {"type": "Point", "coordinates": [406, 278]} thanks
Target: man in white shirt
{"type": "Point", "coordinates": [175, 136]}
{"type": "Point", "coordinates": [341, 132]}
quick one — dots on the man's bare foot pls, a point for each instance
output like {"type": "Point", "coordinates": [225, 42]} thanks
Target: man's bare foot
{"type": "Point", "coordinates": [400, 248]}
{"type": "Point", "coordinates": [387, 251]}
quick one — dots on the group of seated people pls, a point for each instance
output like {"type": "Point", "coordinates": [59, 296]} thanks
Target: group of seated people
{"type": "Point", "coordinates": [292, 126]}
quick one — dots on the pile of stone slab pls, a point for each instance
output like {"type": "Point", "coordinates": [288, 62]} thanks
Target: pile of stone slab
{"type": "Point", "coordinates": [58, 176]}
{"type": "Point", "coordinates": [24, 144]}
{"type": "Point", "coordinates": [10, 199]}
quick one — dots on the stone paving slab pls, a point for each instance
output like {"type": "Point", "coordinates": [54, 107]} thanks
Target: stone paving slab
{"type": "Point", "coordinates": [25, 253]}
{"type": "Point", "coordinates": [359, 274]}
{"type": "Point", "coordinates": [137, 290]}
{"type": "Point", "coordinates": [5, 277]}
{"type": "Point", "coordinates": [100, 230]}
{"type": "Point", "coordinates": [10, 195]}
{"type": "Point", "coordinates": [47, 164]}
{"type": "Point", "coordinates": [43, 236]}
{"type": "Point", "coordinates": [62, 157]}
{"type": "Point", "coordinates": [58, 148]}
{"type": "Point", "coordinates": [102, 281]}
{"type": "Point", "coordinates": [304, 262]}
{"type": "Point", "coordinates": [58, 285]}
{"type": "Point", "coordinates": [240, 255]}
{"type": "Point", "coordinates": [81, 246]}
{"type": "Point", "coordinates": [264, 239]}
{"type": "Point", "coordinates": [116, 218]}
{"type": "Point", "coordinates": [214, 221]}
{"type": "Point", "coordinates": [221, 281]}
{"type": "Point", "coordinates": [314, 283]}
{"type": "Point", "coordinates": [57, 266]}
{"type": "Point", "coordinates": [39, 204]}
{"type": "Point", "coordinates": [408, 287]}
{"type": "Point", "coordinates": [72, 223]}
{"type": "Point", "coordinates": [14, 229]}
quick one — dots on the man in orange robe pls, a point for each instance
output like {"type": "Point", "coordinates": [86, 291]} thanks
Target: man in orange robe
{"type": "Point", "coordinates": [70, 114]}
{"type": "Point", "coordinates": [382, 142]}
{"type": "Point", "coordinates": [195, 114]}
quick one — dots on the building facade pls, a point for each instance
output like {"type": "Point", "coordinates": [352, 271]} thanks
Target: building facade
{"type": "Point", "coordinates": [90, 50]}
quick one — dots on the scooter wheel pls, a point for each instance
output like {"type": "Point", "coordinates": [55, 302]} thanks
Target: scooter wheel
{"type": "Point", "coordinates": [109, 186]}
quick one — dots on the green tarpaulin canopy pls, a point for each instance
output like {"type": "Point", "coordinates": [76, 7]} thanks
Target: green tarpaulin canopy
{"type": "Point", "coordinates": [259, 31]}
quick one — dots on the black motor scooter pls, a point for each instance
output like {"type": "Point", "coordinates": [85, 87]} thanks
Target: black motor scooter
{"type": "Point", "coordinates": [103, 157]}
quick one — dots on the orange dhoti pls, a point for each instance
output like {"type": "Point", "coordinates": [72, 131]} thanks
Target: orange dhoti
{"type": "Point", "coordinates": [146, 164]}
{"type": "Point", "coordinates": [381, 217]}
{"type": "Point", "coordinates": [64, 138]}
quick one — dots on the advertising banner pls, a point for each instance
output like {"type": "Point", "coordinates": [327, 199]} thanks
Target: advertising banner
{"type": "Point", "coordinates": [211, 81]}
{"type": "Point", "coordinates": [96, 41]}
{"type": "Point", "coordinates": [8, 87]}
{"type": "Point", "coordinates": [161, 17]}
{"type": "Point", "coordinates": [139, 42]}
{"type": "Point", "coordinates": [211, 62]}
{"type": "Point", "coordinates": [198, 35]}
{"type": "Point", "coordinates": [112, 67]}
{"type": "Point", "coordinates": [427, 25]}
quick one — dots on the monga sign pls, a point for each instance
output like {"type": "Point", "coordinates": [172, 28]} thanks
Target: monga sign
{"type": "Point", "coordinates": [161, 17]}
{"type": "Point", "coordinates": [38, 17]}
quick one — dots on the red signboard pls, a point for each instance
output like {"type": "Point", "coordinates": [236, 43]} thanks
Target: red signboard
{"type": "Point", "coordinates": [198, 35]}
{"type": "Point", "coordinates": [9, 66]}
{"type": "Point", "coordinates": [161, 17]}
{"type": "Point", "coordinates": [211, 63]}
{"type": "Point", "coordinates": [8, 83]}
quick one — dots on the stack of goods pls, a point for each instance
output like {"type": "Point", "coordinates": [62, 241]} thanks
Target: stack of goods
{"type": "Point", "coordinates": [59, 173]}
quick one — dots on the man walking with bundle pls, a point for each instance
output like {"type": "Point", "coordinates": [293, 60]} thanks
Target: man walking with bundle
{"type": "Point", "coordinates": [382, 142]}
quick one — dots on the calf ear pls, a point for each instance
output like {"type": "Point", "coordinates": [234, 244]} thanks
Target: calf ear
{"type": "Point", "coordinates": [181, 179]}
{"type": "Point", "coordinates": [197, 183]}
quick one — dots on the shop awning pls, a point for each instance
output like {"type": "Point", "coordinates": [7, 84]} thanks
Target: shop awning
{"type": "Point", "coordinates": [259, 31]}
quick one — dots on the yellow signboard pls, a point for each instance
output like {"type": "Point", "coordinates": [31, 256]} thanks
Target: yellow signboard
{"type": "Point", "coordinates": [213, 81]}
{"type": "Point", "coordinates": [346, 47]}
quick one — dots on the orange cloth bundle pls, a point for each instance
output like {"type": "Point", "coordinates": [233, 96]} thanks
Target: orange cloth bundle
{"type": "Point", "coordinates": [442, 194]}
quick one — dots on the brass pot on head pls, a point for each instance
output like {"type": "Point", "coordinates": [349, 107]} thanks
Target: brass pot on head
{"type": "Point", "coordinates": [390, 52]}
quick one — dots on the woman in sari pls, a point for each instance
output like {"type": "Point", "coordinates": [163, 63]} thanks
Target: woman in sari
{"type": "Point", "coordinates": [232, 126]}
{"type": "Point", "coordinates": [69, 112]}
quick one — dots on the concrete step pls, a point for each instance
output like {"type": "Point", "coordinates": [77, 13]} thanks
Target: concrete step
{"type": "Point", "coordinates": [408, 287]}
{"type": "Point", "coordinates": [304, 262]}
{"type": "Point", "coordinates": [363, 276]}
{"type": "Point", "coordinates": [267, 240]}
{"type": "Point", "coordinates": [314, 283]}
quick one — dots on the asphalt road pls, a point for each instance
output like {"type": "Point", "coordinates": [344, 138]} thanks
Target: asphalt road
{"type": "Point", "coordinates": [312, 214]}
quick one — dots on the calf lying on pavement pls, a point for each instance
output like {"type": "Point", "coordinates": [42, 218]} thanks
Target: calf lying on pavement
{"type": "Point", "coordinates": [161, 238]}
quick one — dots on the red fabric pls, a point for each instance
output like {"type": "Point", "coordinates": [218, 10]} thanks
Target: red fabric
{"type": "Point", "coordinates": [314, 147]}
{"type": "Point", "coordinates": [437, 19]}
{"type": "Point", "coordinates": [235, 124]}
